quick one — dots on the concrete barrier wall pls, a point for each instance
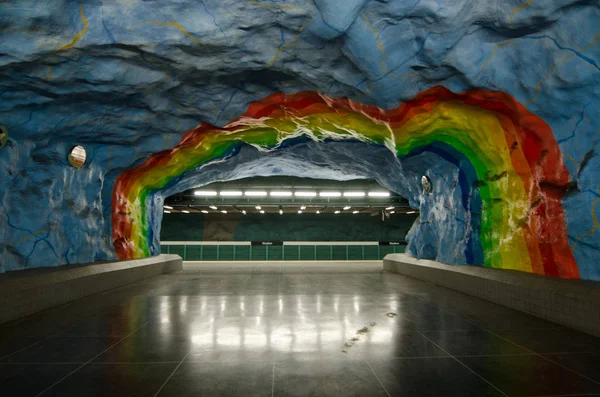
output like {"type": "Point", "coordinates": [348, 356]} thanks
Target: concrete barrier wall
{"type": "Point", "coordinates": [30, 291]}
{"type": "Point", "coordinates": [572, 303]}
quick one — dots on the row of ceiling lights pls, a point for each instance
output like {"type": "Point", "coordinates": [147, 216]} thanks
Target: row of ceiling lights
{"type": "Point", "coordinates": [288, 193]}
{"type": "Point", "coordinates": [260, 210]}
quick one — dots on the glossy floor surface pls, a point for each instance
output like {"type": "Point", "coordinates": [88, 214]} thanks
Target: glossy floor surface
{"type": "Point", "coordinates": [292, 331]}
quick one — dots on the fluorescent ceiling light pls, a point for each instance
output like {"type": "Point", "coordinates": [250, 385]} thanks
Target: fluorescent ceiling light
{"type": "Point", "coordinates": [299, 212]}
{"type": "Point", "coordinates": [330, 194]}
{"type": "Point", "coordinates": [167, 207]}
{"type": "Point", "coordinates": [354, 194]}
{"type": "Point", "coordinates": [379, 194]}
{"type": "Point", "coordinates": [167, 212]}
{"type": "Point", "coordinates": [212, 207]}
{"type": "Point", "coordinates": [205, 193]}
{"type": "Point", "coordinates": [258, 207]}
{"type": "Point", "coordinates": [185, 212]}
{"type": "Point", "coordinates": [204, 211]}
{"type": "Point", "coordinates": [281, 193]}
{"type": "Point", "coordinates": [230, 193]}
{"type": "Point", "coordinates": [305, 194]}
{"type": "Point", "coordinates": [347, 207]}
{"type": "Point", "coordinates": [280, 212]}
{"type": "Point", "coordinates": [255, 193]}
{"type": "Point", "coordinates": [262, 211]}
{"type": "Point", "coordinates": [303, 207]}
{"type": "Point", "coordinates": [336, 212]}
{"type": "Point", "coordinates": [355, 212]}
{"type": "Point", "coordinates": [223, 211]}
{"type": "Point", "coordinates": [392, 212]}
{"type": "Point", "coordinates": [389, 208]}
{"type": "Point", "coordinates": [411, 212]}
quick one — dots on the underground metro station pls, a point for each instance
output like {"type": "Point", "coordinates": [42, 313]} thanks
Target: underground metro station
{"type": "Point", "coordinates": [299, 198]}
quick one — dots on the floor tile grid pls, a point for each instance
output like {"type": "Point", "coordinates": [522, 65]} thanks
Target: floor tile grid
{"type": "Point", "coordinates": [186, 356]}
{"type": "Point", "coordinates": [273, 363]}
{"type": "Point", "coordinates": [171, 375]}
{"type": "Point", "coordinates": [377, 377]}
{"type": "Point", "coordinates": [467, 317]}
{"type": "Point", "coordinates": [531, 352]}
{"type": "Point", "coordinates": [544, 357]}
{"type": "Point", "coordinates": [460, 362]}
{"type": "Point", "coordinates": [89, 361]}
{"type": "Point", "coordinates": [23, 348]}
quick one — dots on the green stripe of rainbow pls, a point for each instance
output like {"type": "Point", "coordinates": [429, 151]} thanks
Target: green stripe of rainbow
{"type": "Point", "coordinates": [520, 175]}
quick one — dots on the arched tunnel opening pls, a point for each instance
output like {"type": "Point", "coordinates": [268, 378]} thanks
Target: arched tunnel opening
{"type": "Point", "coordinates": [299, 198]}
{"type": "Point", "coordinates": [496, 182]}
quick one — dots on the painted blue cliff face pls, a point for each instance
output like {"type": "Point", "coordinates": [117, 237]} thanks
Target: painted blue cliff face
{"type": "Point", "coordinates": [126, 79]}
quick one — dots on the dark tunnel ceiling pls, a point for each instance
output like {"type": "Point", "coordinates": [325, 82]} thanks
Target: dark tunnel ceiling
{"type": "Point", "coordinates": [187, 201]}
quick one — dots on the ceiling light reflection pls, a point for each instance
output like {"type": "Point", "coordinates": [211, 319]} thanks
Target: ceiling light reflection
{"type": "Point", "coordinates": [205, 193]}
{"type": "Point", "coordinates": [379, 194]}
{"type": "Point", "coordinates": [281, 193]}
{"type": "Point", "coordinates": [230, 193]}
{"type": "Point", "coordinates": [305, 194]}
{"type": "Point", "coordinates": [255, 193]}
{"type": "Point", "coordinates": [330, 194]}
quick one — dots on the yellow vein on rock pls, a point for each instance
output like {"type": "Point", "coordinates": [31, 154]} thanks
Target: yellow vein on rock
{"type": "Point", "coordinates": [293, 43]}
{"type": "Point", "coordinates": [169, 23]}
{"type": "Point", "coordinates": [520, 8]}
{"type": "Point", "coordinates": [274, 7]}
{"type": "Point", "coordinates": [79, 35]}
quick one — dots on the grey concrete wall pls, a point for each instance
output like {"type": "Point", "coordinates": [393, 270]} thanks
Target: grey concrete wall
{"type": "Point", "coordinates": [30, 291]}
{"type": "Point", "coordinates": [572, 303]}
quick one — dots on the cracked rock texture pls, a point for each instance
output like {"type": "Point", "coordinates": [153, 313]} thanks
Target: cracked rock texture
{"type": "Point", "coordinates": [126, 79]}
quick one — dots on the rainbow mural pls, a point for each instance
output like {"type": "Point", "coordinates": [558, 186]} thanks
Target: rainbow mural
{"type": "Point", "coordinates": [511, 170]}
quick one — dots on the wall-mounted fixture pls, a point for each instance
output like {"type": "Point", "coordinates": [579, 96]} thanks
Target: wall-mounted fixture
{"type": "Point", "coordinates": [426, 183]}
{"type": "Point", "coordinates": [77, 156]}
{"type": "Point", "coordinates": [3, 136]}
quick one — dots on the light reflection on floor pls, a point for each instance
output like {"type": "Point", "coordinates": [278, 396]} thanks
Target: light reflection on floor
{"type": "Point", "coordinates": [299, 323]}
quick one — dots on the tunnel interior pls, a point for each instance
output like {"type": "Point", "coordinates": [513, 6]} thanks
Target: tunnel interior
{"type": "Point", "coordinates": [497, 114]}
{"type": "Point", "coordinates": [481, 117]}
{"type": "Point", "coordinates": [285, 218]}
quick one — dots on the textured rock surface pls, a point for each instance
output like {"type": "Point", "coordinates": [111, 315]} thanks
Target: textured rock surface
{"type": "Point", "coordinates": [127, 79]}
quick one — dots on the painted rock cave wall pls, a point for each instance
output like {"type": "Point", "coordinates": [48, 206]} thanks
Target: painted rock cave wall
{"type": "Point", "coordinates": [128, 79]}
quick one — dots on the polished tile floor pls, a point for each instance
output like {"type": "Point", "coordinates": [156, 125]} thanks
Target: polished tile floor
{"type": "Point", "coordinates": [292, 331]}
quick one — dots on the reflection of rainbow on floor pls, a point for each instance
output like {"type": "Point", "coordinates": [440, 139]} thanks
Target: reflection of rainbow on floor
{"type": "Point", "coordinates": [510, 165]}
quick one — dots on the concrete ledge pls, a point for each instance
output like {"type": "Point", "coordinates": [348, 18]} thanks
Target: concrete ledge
{"type": "Point", "coordinates": [284, 266]}
{"type": "Point", "coordinates": [572, 303]}
{"type": "Point", "coordinates": [29, 291]}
